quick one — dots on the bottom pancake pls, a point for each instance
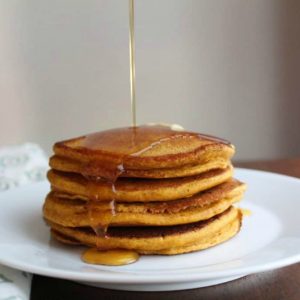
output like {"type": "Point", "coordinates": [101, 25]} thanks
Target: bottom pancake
{"type": "Point", "coordinates": [158, 240]}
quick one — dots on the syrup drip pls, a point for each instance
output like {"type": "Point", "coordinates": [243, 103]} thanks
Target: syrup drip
{"type": "Point", "coordinates": [101, 214]}
{"type": "Point", "coordinates": [110, 257]}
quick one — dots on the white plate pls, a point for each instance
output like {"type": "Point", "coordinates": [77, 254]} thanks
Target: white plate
{"type": "Point", "coordinates": [269, 238]}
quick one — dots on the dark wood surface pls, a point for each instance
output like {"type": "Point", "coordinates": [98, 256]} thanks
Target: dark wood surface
{"type": "Point", "coordinates": [281, 284]}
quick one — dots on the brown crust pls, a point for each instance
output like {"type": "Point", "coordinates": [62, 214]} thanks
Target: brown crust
{"type": "Point", "coordinates": [157, 231]}
{"type": "Point", "coordinates": [218, 236]}
{"type": "Point", "coordinates": [64, 238]}
{"type": "Point", "coordinates": [194, 237]}
{"type": "Point", "coordinates": [140, 232]}
{"type": "Point", "coordinates": [65, 164]}
{"type": "Point", "coordinates": [201, 199]}
{"type": "Point", "coordinates": [129, 184]}
{"type": "Point", "coordinates": [136, 189]}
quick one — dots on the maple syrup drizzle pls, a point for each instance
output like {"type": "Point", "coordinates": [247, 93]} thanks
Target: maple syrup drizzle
{"type": "Point", "coordinates": [101, 214]}
{"type": "Point", "coordinates": [132, 61]}
{"type": "Point", "coordinates": [110, 257]}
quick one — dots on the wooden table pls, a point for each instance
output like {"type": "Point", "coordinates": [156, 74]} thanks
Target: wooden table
{"type": "Point", "coordinates": [281, 284]}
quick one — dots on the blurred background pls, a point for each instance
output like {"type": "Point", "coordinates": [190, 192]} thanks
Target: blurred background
{"type": "Point", "coordinates": [229, 68]}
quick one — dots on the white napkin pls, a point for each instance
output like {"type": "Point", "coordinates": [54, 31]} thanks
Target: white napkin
{"type": "Point", "coordinates": [19, 165]}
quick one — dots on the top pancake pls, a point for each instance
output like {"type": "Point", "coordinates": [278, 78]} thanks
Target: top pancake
{"type": "Point", "coordinates": [145, 151]}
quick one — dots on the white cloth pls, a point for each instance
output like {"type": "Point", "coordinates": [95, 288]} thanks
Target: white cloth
{"type": "Point", "coordinates": [19, 165]}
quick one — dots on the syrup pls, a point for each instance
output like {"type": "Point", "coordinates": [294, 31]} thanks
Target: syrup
{"type": "Point", "coordinates": [132, 61]}
{"type": "Point", "coordinates": [110, 257]}
{"type": "Point", "coordinates": [101, 214]}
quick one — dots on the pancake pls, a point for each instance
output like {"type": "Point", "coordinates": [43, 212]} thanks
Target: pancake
{"type": "Point", "coordinates": [141, 148]}
{"type": "Point", "coordinates": [216, 161]}
{"type": "Point", "coordinates": [66, 210]}
{"type": "Point", "coordinates": [141, 190]}
{"type": "Point", "coordinates": [158, 240]}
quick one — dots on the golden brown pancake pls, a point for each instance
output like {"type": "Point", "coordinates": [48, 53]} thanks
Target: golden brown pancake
{"type": "Point", "coordinates": [139, 148]}
{"type": "Point", "coordinates": [66, 210]}
{"type": "Point", "coordinates": [215, 162]}
{"type": "Point", "coordinates": [137, 190]}
{"type": "Point", "coordinates": [158, 240]}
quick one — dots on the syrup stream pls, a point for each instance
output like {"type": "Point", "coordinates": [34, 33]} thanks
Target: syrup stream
{"type": "Point", "coordinates": [132, 61]}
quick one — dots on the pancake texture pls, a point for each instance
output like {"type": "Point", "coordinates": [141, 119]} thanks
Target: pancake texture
{"type": "Point", "coordinates": [65, 210]}
{"type": "Point", "coordinates": [160, 240]}
{"type": "Point", "coordinates": [212, 162]}
{"type": "Point", "coordinates": [150, 189]}
{"type": "Point", "coordinates": [143, 190]}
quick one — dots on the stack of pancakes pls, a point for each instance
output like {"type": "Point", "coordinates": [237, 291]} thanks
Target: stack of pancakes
{"type": "Point", "coordinates": [150, 189]}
